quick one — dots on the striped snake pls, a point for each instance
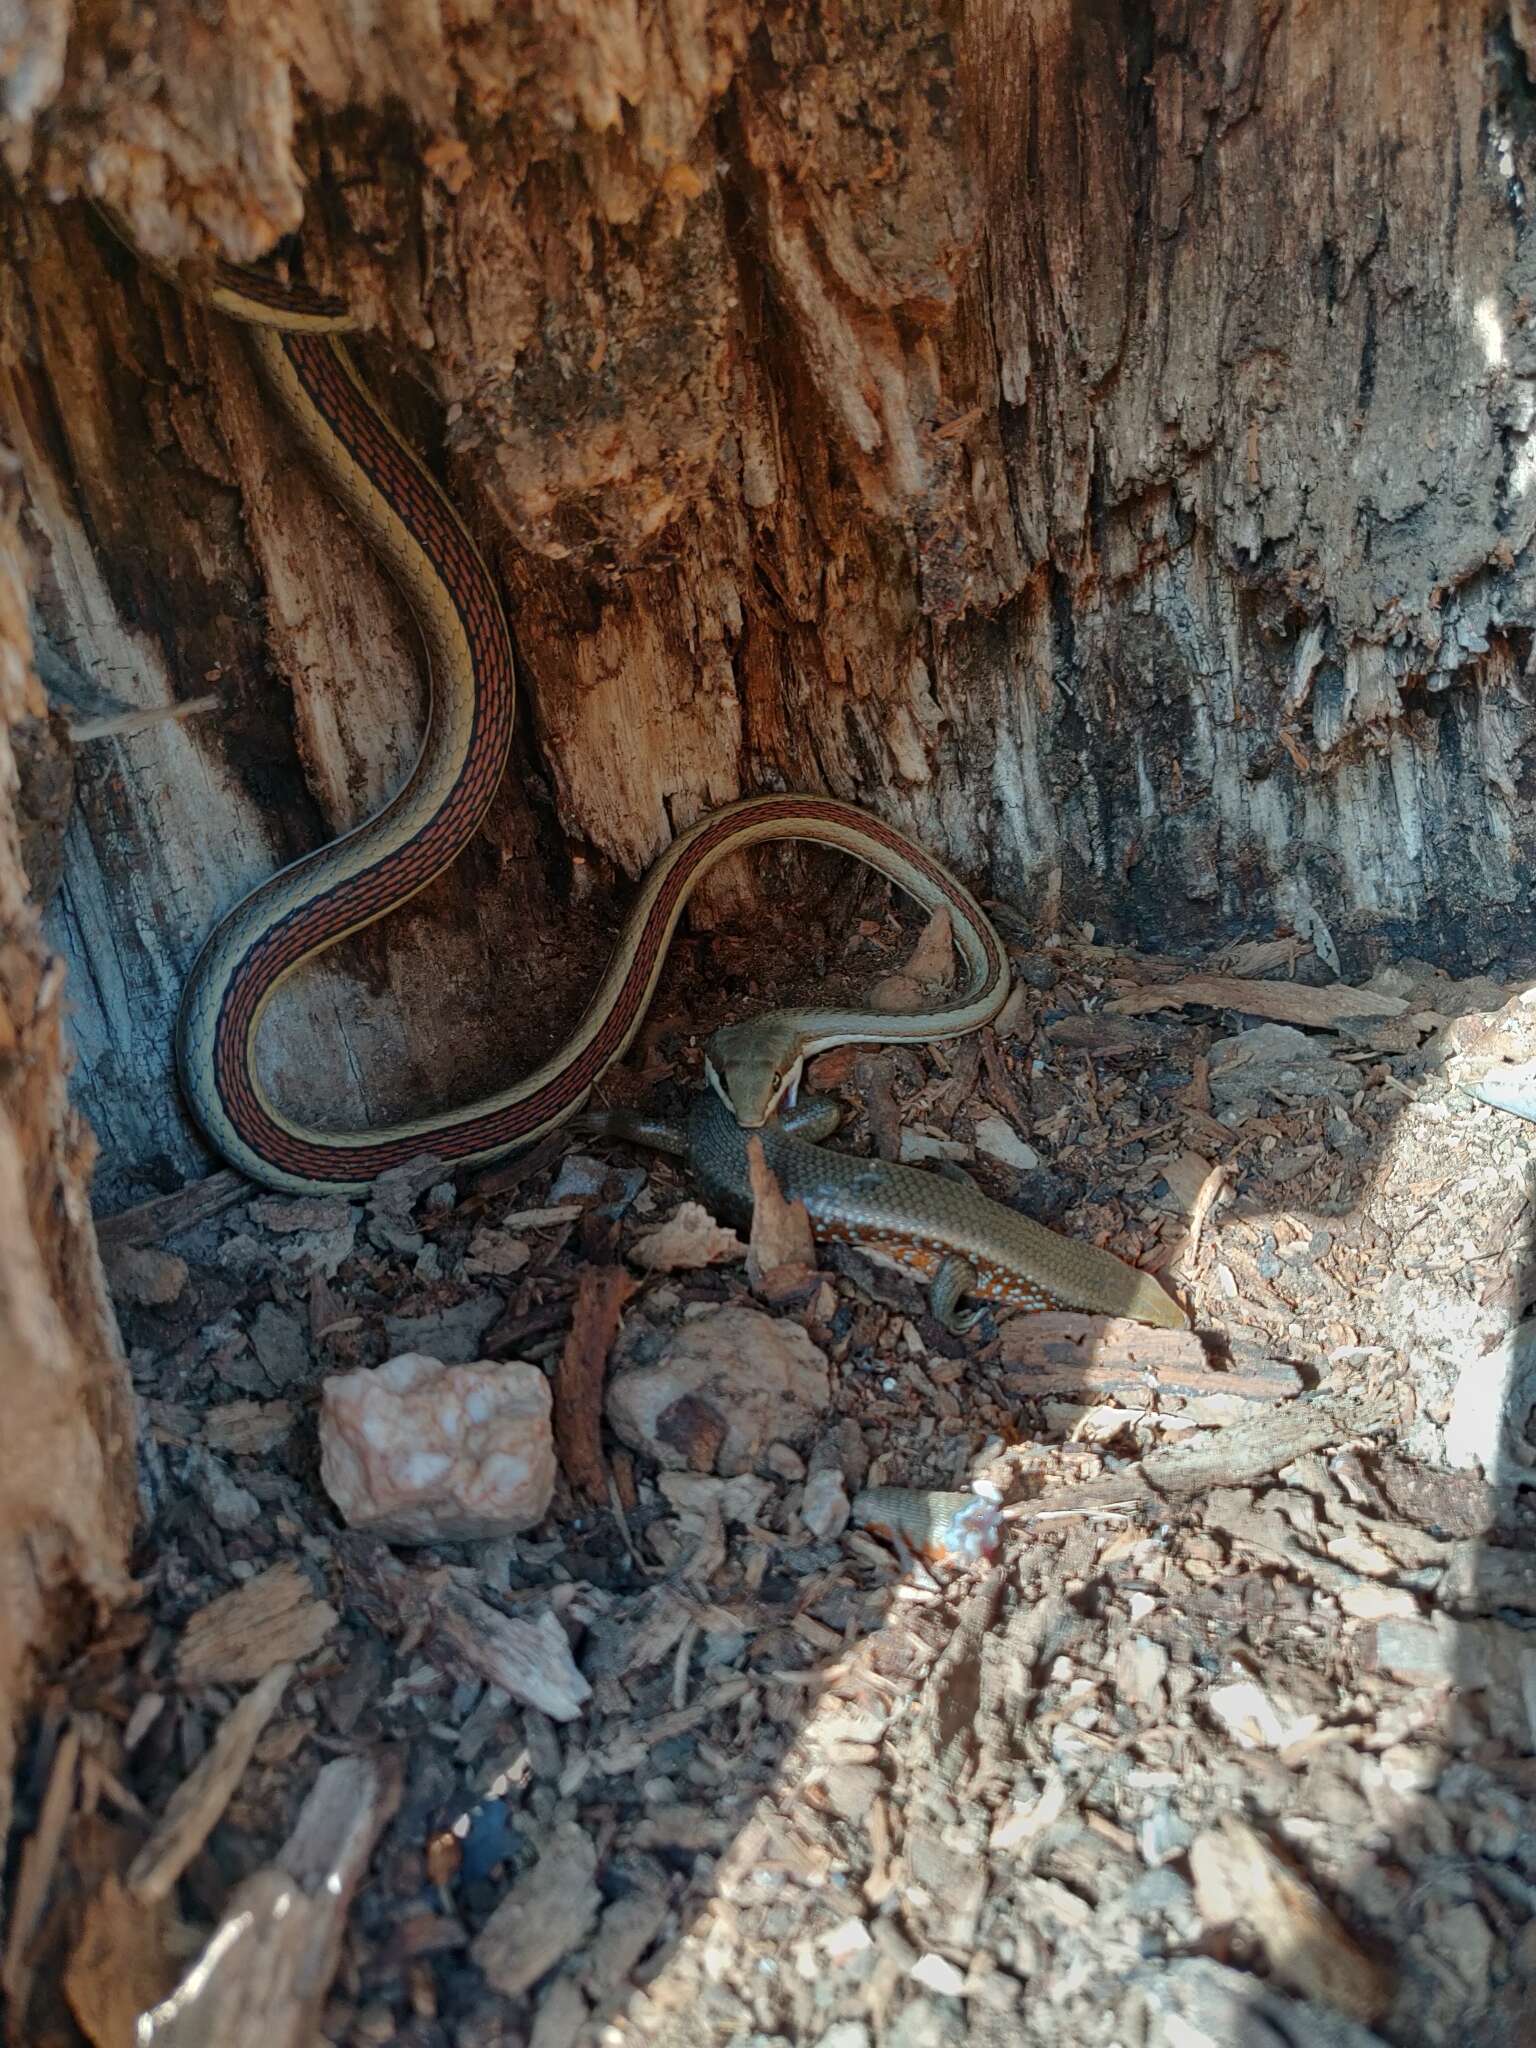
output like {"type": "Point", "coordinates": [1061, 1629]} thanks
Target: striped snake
{"type": "Point", "coordinates": [297, 339]}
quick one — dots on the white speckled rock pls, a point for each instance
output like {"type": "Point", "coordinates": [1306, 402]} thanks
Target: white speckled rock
{"type": "Point", "coordinates": [422, 1452]}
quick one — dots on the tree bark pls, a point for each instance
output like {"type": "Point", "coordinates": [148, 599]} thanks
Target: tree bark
{"type": "Point", "coordinates": [1095, 436]}
{"type": "Point", "coordinates": [66, 1497]}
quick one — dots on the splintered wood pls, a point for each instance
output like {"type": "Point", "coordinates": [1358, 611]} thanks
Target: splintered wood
{"type": "Point", "coordinates": [263, 1978]}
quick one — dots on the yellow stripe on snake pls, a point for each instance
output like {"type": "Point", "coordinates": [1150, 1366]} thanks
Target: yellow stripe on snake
{"type": "Point", "coordinates": [297, 337]}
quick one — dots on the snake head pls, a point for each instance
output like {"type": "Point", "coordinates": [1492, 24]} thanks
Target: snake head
{"type": "Point", "coordinates": [755, 1067]}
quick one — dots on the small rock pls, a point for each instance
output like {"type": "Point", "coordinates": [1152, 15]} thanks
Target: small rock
{"type": "Point", "coordinates": [419, 1451]}
{"type": "Point", "coordinates": [143, 1276]}
{"type": "Point", "coordinates": [848, 1939]}
{"type": "Point", "coordinates": [579, 1176]}
{"type": "Point", "coordinates": [784, 1463]}
{"type": "Point", "coordinates": [935, 1974]}
{"type": "Point", "coordinates": [450, 1335]}
{"type": "Point", "coordinates": [280, 1342]}
{"type": "Point", "coordinates": [845, 2034]}
{"type": "Point", "coordinates": [824, 1506]}
{"type": "Point", "coordinates": [999, 1140]}
{"type": "Point", "coordinates": [231, 1505]}
{"type": "Point", "coordinates": [733, 1376]}
{"type": "Point", "coordinates": [496, 1252]}
{"type": "Point", "coordinates": [919, 1146]}
{"type": "Point", "coordinates": [1140, 1668]}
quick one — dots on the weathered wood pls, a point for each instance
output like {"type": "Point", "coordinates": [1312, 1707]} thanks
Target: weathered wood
{"type": "Point", "coordinates": [1092, 435]}
{"type": "Point", "coordinates": [67, 1488]}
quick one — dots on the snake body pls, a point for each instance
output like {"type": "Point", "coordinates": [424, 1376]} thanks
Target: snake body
{"type": "Point", "coordinates": [298, 339]}
{"type": "Point", "coordinates": [945, 1232]}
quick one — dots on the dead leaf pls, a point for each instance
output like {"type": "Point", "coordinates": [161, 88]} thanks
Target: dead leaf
{"type": "Point", "coordinates": [782, 1240]}
{"type": "Point", "coordinates": [689, 1238]}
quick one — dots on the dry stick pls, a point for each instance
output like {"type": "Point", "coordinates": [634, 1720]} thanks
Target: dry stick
{"type": "Point", "coordinates": [578, 1393]}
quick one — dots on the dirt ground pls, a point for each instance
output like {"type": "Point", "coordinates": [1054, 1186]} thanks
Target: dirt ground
{"type": "Point", "coordinates": [1229, 1739]}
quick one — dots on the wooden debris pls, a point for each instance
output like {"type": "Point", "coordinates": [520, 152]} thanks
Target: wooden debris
{"type": "Point", "coordinates": [1284, 1002]}
{"type": "Point", "coordinates": [544, 1916]}
{"type": "Point", "coordinates": [1073, 1354]}
{"type": "Point", "coordinates": [34, 1878]}
{"type": "Point", "coordinates": [1248, 1450]}
{"type": "Point", "coordinates": [1240, 1881]}
{"type": "Point", "coordinates": [263, 1978]}
{"type": "Point", "coordinates": [578, 1387]}
{"type": "Point", "coordinates": [200, 1799]}
{"type": "Point", "coordinates": [930, 965]}
{"type": "Point", "coordinates": [168, 1215]}
{"type": "Point", "coordinates": [272, 1619]}
{"type": "Point", "coordinates": [530, 1660]}
{"type": "Point", "coordinates": [121, 1964]}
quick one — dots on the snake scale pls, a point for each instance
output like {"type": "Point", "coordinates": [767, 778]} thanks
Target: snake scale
{"type": "Point", "coordinates": [298, 338]}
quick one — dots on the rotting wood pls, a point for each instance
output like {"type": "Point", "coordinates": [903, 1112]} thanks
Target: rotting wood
{"type": "Point", "coordinates": [202, 1797]}
{"type": "Point", "coordinates": [1247, 1450]}
{"type": "Point", "coordinates": [1284, 1002]}
{"type": "Point", "coordinates": [263, 1978]}
{"type": "Point", "coordinates": [530, 1660]}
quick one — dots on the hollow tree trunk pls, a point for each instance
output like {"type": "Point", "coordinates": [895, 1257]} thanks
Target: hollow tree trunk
{"type": "Point", "coordinates": [1094, 436]}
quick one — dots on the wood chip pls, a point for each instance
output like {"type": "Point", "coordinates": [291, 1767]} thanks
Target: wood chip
{"type": "Point", "coordinates": [531, 1660]}
{"type": "Point", "coordinates": [1284, 1002]}
{"type": "Point", "coordinates": [247, 1429]}
{"type": "Point", "coordinates": [121, 1964]}
{"type": "Point", "coordinates": [549, 1912]}
{"type": "Point", "coordinates": [1072, 1354]}
{"type": "Point", "coordinates": [931, 965]}
{"type": "Point", "coordinates": [263, 1979]}
{"type": "Point", "coordinates": [154, 1222]}
{"type": "Point", "coordinates": [34, 1877]}
{"type": "Point", "coordinates": [578, 1382]}
{"type": "Point", "coordinates": [1240, 1880]}
{"type": "Point", "coordinates": [272, 1619]}
{"type": "Point", "coordinates": [1248, 1450]}
{"type": "Point", "coordinates": [199, 1801]}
